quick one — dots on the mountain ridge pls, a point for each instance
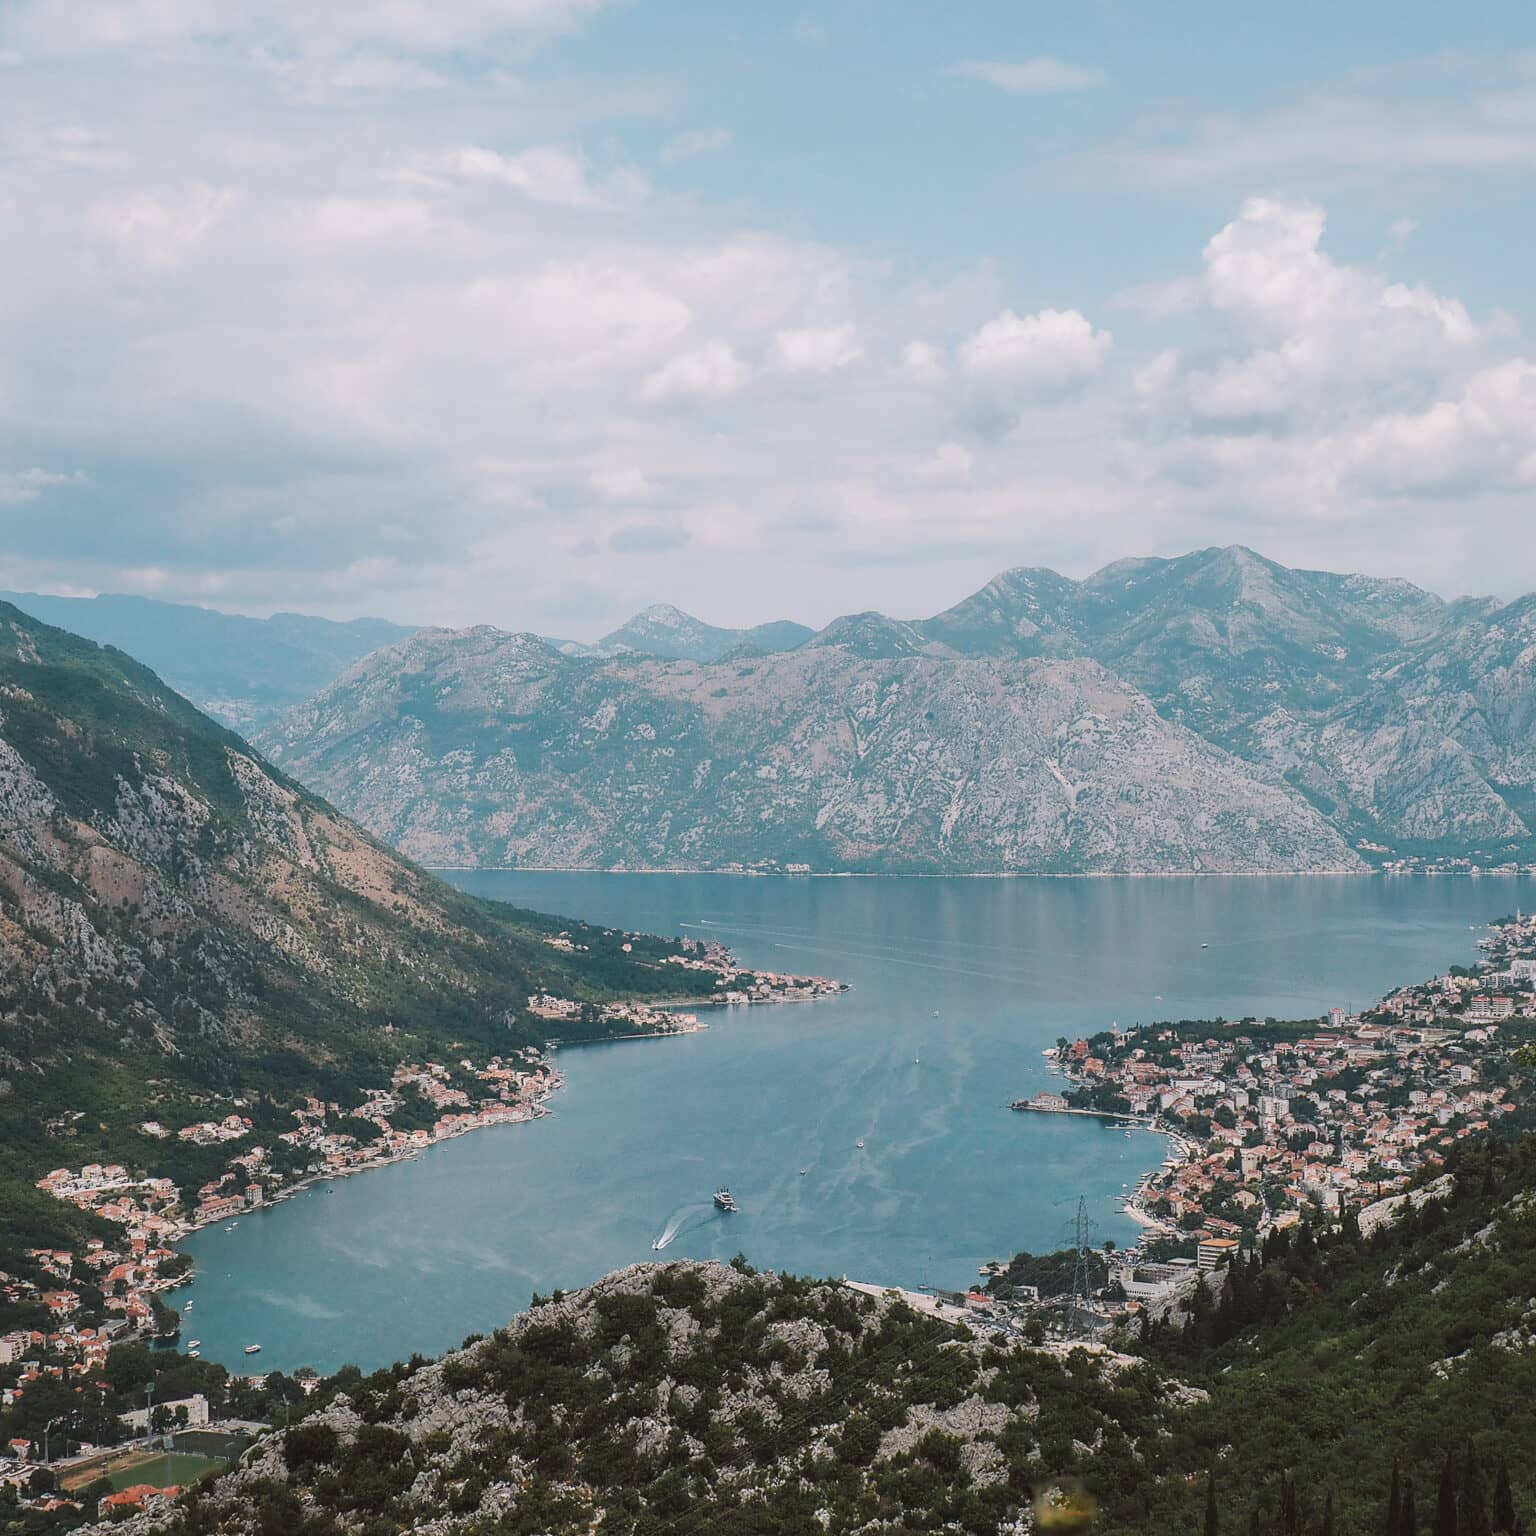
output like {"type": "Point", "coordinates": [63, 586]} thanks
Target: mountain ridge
{"type": "Point", "coordinates": [481, 747]}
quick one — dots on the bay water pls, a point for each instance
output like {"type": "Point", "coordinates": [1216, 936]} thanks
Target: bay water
{"type": "Point", "coordinates": [957, 987]}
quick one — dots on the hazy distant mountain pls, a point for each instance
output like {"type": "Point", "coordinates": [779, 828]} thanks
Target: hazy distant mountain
{"type": "Point", "coordinates": [242, 671]}
{"type": "Point", "coordinates": [477, 746]}
{"type": "Point", "coordinates": [667, 631]}
{"type": "Point", "coordinates": [1379, 718]}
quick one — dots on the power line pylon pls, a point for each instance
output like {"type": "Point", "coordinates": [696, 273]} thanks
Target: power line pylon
{"type": "Point", "coordinates": [1078, 1313]}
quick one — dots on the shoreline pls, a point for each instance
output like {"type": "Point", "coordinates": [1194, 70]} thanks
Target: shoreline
{"type": "Point", "coordinates": [539, 1110]}
{"type": "Point", "coordinates": [1525, 872]}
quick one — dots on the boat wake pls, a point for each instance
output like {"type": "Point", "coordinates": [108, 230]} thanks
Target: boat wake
{"type": "Point", "coordinates": [682, 1220]}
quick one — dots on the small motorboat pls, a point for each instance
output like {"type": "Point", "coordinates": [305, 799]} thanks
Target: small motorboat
{"type": "Point", "coordinates": [193, 1344]}
{"type": "Point", "coordinates": [860, 1144]}
{"type": "Point", "coordinates": [253, 1349]}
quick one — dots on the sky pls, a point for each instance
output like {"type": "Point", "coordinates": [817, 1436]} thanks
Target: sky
{"type": "Point", "coordinates": [535, 312]}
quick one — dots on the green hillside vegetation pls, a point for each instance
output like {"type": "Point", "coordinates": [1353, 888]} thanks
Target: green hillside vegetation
{"type": "Point", "coordinates": [1329, 1358]}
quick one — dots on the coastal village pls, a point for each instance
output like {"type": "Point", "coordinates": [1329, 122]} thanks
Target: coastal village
{"type": "Point", "coordinates": [1269, 1123]}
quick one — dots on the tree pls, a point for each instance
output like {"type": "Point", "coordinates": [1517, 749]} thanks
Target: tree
{"type": "Point", "coordinates": [1503, 1502]}
{"type": "Point", "coordinates": [1472, 1512]}
{"type": "Point", "coordinates": [1288, 1512]}
{"type": "Point", "coordinates": [1327, 1528]}
{"type": "Point", "coordinates": [1395, 1502]}
{"type": "Point", "coordinates": [1409, 1522]}
{"type": "Point", "coordinates": [1445, 1499]}
{"type": "Point", "coordinates": [1210, 1503]}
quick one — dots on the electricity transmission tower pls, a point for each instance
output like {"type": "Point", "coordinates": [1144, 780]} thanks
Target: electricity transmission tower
{"type": "Point", "coordinates": [1078, 1314]}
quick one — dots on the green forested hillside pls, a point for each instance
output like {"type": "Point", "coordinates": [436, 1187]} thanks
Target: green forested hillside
{"type": "Point", "coordinates": [1328, 1359]}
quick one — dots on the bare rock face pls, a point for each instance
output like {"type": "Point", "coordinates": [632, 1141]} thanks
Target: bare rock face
{"type": "Point", "coordinates": [477, 747]}
{"type": "Point", "coordinates": [696, 1397]}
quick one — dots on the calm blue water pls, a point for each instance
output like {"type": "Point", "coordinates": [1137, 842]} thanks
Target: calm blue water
{"type": "Point", "coordinates": [959, 984]}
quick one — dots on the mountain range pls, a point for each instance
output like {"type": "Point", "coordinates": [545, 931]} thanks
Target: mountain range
{"type": "Point", "coordinates": [1215, 711]}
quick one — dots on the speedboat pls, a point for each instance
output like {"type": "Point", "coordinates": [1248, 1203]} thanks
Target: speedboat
{"type": "Point", "coordinates": [253, 1349]}
{"type": "Point", "coordinates": [193, 1343]}
{"type": "Point", "coordinates": [803, 1172]}
{"type": "Point", "coordinates": [860, 1144]}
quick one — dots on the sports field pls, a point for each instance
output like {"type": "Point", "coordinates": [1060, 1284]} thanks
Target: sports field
{"type": "Point", "coordinates": [172, 1469]}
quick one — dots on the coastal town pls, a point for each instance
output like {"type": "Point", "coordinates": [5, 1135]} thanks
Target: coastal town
{"type": "Point", "coordinates": [1269, 1123]}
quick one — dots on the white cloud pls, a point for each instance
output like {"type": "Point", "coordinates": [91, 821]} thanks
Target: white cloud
{"type": "Point", "coordinates": [548, 173]}
{"type": "Point", "coordinates": [950, 461]}
{"type": "Point", "coordinates": [688, 146]}
{"type": "Point", "coordinates": [434, 26]}
{"type": "Point", "coordinates": [1041, 76]}
{"type": "Point", "coordinates": [810, 33]}
{"type": "Point", "coordinates": [1484, 437]}
{"type": "Point", "coordinates": [818, 350]}
{"type": "Point", "coordinates": [1365, 130]}
{"type": "Point", "coordinates": [1298, 331]}
{"type": "Point", "coordinates": [437, 351]}
{"type": "Point", "coordinates": [1399, 233]}
{"type": "Point", "coordinates": [710, 372]}
{"type": "Point", "coordinates": [923, 362]}
{"type": "Point", "coordinates": [23, 485]}
{"type": "Point", "coordinates": [1050, 350]}
{"type": "Point", "coordinates": [623, 485]}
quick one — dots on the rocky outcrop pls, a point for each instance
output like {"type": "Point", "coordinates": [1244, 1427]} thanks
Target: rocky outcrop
{"type": "Point", "coordinates": [696, 1397]}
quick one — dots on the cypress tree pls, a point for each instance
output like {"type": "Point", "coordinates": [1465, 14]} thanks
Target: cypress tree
{"type": "Point", "coordinates": [1328, 1514]}
{"type": "Point", "coordinates": [1210, 1503]}
{"type": "Point", "coordinates": [1472, 1511]}
{"type": "Point", "coordinates": [1503, 1502]}
{"type": "Point", "coordinates": [1395, 1502]}
{"type": "Point", "coordinates": [1445, 1500]}
{"type": "Point", "coordinates": [1408, 1524]}
{"type": "Point", "coordinates": [1287, 1504]}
